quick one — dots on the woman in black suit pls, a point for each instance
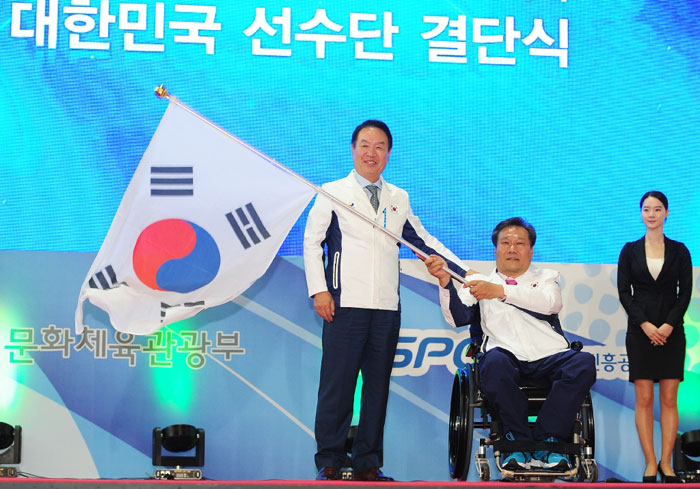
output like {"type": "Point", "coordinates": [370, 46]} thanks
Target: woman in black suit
{"type": "Point", "coordinates": [654, 280]}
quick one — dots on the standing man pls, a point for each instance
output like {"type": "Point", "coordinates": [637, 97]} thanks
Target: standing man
{"type": "Point", "coordinates": [518, 306]}
{"type": "Point", "coordinates": [357, 295]}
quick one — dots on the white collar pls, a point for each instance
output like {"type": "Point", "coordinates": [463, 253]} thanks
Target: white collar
{"type": "Point", "coordinates": [364, 182]}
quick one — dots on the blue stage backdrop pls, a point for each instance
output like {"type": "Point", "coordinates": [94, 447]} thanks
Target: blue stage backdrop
{"type": "Point", "coordinates": [553, 110]}
{"type": "Point", "coordinates": [561, 111]}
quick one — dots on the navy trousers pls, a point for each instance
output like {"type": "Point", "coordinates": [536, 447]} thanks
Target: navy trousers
{"type": "Point", "coordinates": [572, 374]}
{"type": "Point", "coordinates": [357, 340]}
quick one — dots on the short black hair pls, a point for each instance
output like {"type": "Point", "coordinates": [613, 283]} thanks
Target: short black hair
{"type": "Point", "coordinates": [657, 195]}
{"type": "Point", "coordinates": [514, 221]}
{"type": "Point", "coordinates": [372, 123]}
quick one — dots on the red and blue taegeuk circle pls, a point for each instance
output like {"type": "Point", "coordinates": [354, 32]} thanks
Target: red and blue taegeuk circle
{"type": "Point", "coordinates": [175, 255]}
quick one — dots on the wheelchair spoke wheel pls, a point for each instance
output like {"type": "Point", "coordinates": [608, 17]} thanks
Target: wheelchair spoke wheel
{"type": "Point", "coordinates": [461, 423]}
{"type": "Point", "coordinates": [588, 424]}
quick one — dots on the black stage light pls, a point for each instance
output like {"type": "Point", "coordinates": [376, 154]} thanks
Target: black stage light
{"type": "Point", "coordinates": [178, 438]}
{"type": "Point", "coordinates": [10, 449]}
{"type": "Point", "coordinates": [686, 456]}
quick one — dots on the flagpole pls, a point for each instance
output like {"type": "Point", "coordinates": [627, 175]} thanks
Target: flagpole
{"type": "Point", "coordinates": [162, 92]}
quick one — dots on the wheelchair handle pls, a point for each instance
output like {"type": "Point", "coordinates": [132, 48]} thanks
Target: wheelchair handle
{"type": "Point", "coordinates": [473, 349]}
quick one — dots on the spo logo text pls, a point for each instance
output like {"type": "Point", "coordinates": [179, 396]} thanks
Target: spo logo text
{"type": "Point", "coordinates": [420, 349]}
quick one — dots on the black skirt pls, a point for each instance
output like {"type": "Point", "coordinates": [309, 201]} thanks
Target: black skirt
{"type": "Point", "coordinates": [647, 361]}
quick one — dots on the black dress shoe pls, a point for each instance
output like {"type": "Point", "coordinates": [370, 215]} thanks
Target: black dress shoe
{"type": "Point", "coordinates": [328, 474]}
{"type": "Point", "coordinates": [668, 479]}
{"type": "Point", "coordinates": [372, 474]}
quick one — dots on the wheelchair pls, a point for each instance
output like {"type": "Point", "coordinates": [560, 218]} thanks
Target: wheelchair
{"type": "Point", "coordinates": [467, 398]}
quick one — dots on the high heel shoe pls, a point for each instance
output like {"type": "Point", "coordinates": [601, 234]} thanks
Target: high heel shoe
{"type": "Point", "coordinates": [668, 479]}
{"type": "Point", "coordinates": [649, 478]}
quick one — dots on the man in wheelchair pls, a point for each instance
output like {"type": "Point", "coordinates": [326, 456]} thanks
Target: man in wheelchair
{"type": "Point", "coordinates": [516, 306]}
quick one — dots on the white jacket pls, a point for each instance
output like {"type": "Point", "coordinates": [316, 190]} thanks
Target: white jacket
{"type": "Point", "coordinates": [362, 266]}
{"type": "Point", "coordinates": [508, 324]}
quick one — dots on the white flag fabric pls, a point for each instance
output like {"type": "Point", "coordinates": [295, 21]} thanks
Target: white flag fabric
{"type": "Point", "coordinates": [201, 220]}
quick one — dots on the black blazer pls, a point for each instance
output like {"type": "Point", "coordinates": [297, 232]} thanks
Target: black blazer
{"type": "Point", "coordinates": [659, 301]}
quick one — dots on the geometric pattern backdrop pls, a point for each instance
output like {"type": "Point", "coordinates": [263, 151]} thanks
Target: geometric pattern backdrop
{"type": "Point", "coordinates": [247, 372]}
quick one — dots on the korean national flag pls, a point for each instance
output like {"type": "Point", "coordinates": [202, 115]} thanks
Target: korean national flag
{"type": "Point", "coordinates": [200, 221]}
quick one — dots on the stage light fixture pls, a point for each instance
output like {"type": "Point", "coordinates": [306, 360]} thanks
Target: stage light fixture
{"type": "Point", "coordinates": [686, 456]}
{"type": "Point", "coordinates": [178, 438]}
{"type": "Point", "coordinates": [10, 449]}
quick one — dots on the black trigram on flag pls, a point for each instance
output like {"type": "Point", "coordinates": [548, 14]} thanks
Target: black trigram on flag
{"type": "Point", "coordinates": [104, 279]}
{"type": "Point", "coordinates": [172, 181]}
{"type": "Point", "coordinates": [164, 307]}
{"type": "Point", "coordinates": [245, 221]}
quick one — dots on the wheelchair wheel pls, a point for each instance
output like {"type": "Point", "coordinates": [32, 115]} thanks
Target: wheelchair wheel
{"type": "Point", "coordinates": [588, 424]}
{"type": "Point", "coordinates": [483, 469]}
{"type": "Point", "coordinates": [590, 471]}
{"type": "Point", "coordinates": [461, 424]}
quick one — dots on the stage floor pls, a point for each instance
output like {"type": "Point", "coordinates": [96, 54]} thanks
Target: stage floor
{"type": "Point", "coordinates": [38, 483]}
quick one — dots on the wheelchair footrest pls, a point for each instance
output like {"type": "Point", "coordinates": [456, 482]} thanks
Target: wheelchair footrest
{"type": "Point", "coordinates": [509, 446]}
{"type": "Point", "coordinates": [537, 475]}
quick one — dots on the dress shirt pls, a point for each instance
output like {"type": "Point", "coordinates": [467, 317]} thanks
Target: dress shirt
{"type": "Point", "coordinates": [364, 182]}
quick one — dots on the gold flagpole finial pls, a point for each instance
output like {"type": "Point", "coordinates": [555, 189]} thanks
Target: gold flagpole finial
{"type": "Point", "coordinates": [161, 91]}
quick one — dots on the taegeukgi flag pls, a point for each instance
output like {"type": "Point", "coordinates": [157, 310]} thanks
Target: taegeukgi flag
{"type": "Point", "coordinates": [202, 218]}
